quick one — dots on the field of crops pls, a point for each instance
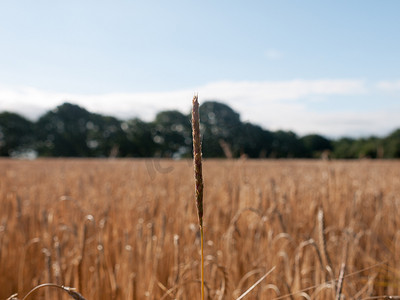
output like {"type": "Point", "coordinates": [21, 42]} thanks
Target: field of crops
{"type": "Point", "coordinates": [127, 229]}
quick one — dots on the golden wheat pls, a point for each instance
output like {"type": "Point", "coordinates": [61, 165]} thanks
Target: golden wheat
{"type": "Point", "coordinates": [142, 241]}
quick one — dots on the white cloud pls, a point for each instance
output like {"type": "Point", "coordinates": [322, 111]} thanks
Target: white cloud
{"type": "Point", "coordinates": [30, 101]}
{"type": "Point", "coordinates": [33, 102]}
{"type": "Point", "coordinates": [389, 85]}
{"type": "Point", "coordinates": [338, 124]}
{"type": "Point", "coordinates": [271, 104]}
{"type": "Point", "coordinates": [281, 90]}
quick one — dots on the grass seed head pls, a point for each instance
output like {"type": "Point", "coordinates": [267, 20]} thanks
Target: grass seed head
{"type": "Point", "coordinates": [197, 157]}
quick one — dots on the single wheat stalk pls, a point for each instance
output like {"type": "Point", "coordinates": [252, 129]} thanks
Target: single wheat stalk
{"type": "Point", "coordinates": [81, 257]}
{"type": "Point", "coordinates": [198, 174]}
{"type": "Point", "coordinates": [176, 258]}
{"type": "Point", "coordinates": [322, 241]}
{"type": "Point", "coordinates": [255, 284]}
{"type": "Point", "coordinates": [340, 281]}
{"type": "Point", "coordinates": [70, 291]}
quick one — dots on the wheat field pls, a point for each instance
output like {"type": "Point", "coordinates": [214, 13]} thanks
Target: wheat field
{"type": "Point", "coordinates": [127, 229]}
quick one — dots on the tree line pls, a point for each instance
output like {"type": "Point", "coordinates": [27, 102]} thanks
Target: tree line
{"type": "Point", "coordinates": [71, 131]}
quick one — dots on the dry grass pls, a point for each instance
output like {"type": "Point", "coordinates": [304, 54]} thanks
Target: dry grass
{"type": "Point", "coordinates": [112, 231]}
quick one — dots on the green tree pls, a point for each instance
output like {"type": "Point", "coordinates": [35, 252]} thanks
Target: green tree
{"type": "Point", "coordinates": [172, 133]}
{"type": "Point", "coordinates": [105, 136]}
{"type": "Point", "coordinates": [16, 134]}
{"type": "Point", "coordinates": [350, 148]}
{"type": "Point", "coordinates": [220, 125]}
{"type": "Point", "coordinates": [314, 145]}
{"type": "Point", "coordinates": [345, 148]}
{"type": "Point", "coordinates": [139, 137]}
{"type": "Point", "coordinates": [62, 131]}
{"type": "Point", "coordinates": [70, 130]}
{"type": "Point", "coordinates": [391, 145]}
{"type": "Point", "coordinates": [255, 142]}
{"type": "Point", "coordinates": [369, 147]}
{"type": "Point", "coordinates": [286, 144]}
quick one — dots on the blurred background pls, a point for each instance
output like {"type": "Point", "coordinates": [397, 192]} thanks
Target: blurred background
{"type": "Point", "coordinates": [291, 69]}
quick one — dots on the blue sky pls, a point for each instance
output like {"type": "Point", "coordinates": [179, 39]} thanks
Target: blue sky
{"type": "Point", "coordinates": [329, 67]}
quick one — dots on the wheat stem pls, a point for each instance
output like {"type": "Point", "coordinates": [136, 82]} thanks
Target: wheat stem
{"type": "Point", "coordinates": [202, 262]}
{"type": "Point", "coordinates": [69, 290]}
{"type": "Point", "coordinates": [255, 284]}
{"type": "Point", "coordinates": [340, 281]}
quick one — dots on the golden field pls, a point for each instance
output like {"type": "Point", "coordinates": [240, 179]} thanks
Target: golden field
{"type": "Point", "coordinates": [127, 229]}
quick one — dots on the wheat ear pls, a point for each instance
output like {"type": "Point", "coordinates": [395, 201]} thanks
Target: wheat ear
{"type": "Point", "coordinates": [198, 174]}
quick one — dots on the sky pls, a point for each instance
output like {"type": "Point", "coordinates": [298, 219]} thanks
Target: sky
{"type": "Point", "coordinates": [326, 67]}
